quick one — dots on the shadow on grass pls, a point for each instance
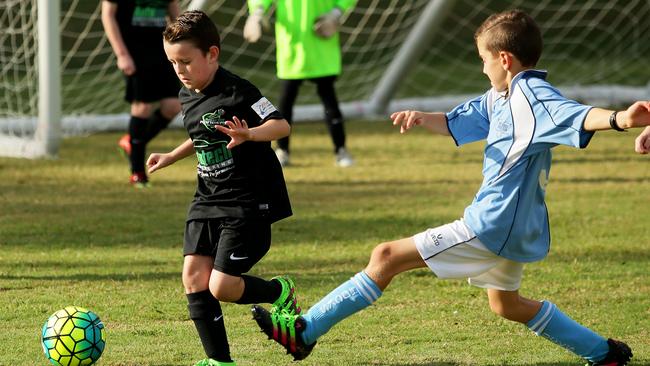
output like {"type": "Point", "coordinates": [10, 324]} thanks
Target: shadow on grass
{"type": "Point", "coordinates": [89, 277]}
{"type": "Point", "coordinates": [459, 364]}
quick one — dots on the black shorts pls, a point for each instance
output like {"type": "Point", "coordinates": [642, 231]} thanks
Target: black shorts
{"type": "Point", "coordinates": [236, 244]}
{"type": "Point", "coordinates": [152, 81]}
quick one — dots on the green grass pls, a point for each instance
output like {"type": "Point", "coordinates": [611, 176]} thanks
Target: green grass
{"type": "Point", "coordinates": [73, 232]}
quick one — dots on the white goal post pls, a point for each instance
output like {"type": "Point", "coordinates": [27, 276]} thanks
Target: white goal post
{"type": "Point", "coordinates": [58, 75]}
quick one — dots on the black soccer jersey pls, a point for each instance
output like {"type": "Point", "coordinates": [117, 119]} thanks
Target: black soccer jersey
{"type": "Point", "coordinates": [246, 181]}
{"type": "Point", "coordinates": [142, 23]}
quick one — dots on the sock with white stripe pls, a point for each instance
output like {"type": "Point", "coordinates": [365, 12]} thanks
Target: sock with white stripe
{"type": "Point", "coordinates": [352, 296]}
{"type": "Point", "coordinates": [554, 325]}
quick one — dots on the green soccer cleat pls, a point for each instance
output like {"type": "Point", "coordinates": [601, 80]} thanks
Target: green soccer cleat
{"type": "Point", "coordinates": [287, 302]}
{"type": "Point", "coordinates": [285, 329]}
{"type": "Point", "coordinates": [211, 362]}
{"type": "Point", "coordinates": [619, 354]}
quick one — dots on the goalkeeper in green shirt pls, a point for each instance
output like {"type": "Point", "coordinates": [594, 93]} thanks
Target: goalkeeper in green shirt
{"type": "Point", "coordinates": [307, 48]}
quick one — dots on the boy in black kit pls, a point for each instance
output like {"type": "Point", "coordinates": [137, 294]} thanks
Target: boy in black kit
{"type": "Point", "coordinates": [134, 29]}
{"type": "Point", "coordinates": [241, 189]}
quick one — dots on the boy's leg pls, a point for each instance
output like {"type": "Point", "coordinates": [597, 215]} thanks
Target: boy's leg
{"type": "Point", "coordinates": [161, 117]}
{"type": "Point", "coordinates": [360, 291]}
{"type": "Point", "coordinates": [243, 243]}
{"type": "Point", "coordinates": [333, 115]}
{"type": "Point", "coordinates": [287, 100]}
{"type": "Point", "coordinates": [204, 308]}
{"type": "Point", "coordinates": [545, 319]}
{"type": "Point", "coordinates": [138, 125]}
{"type": "Point", "coordinates": [354, 295]}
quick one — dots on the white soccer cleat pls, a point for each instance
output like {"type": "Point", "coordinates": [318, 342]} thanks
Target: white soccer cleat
{"type": "Point", "coordinates": [283, 156]}
{"type": "Point", "coordinates": [343, 158]}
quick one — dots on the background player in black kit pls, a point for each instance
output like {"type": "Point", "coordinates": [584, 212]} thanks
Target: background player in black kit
{"type": "Point", "coordinates": [134, 29]}
{"type": "Point", "coordinates": [241, 189]}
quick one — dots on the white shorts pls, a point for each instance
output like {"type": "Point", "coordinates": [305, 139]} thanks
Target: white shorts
{"type": "Point", "coordinates": [454, 251]}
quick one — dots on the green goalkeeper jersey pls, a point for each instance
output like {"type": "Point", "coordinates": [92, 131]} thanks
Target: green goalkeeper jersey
{"type": "Point", "coordinates": [300, 53]}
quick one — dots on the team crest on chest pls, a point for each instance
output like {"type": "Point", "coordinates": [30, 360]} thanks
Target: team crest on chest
{"type": "Point", "coordinates": [210, 120]}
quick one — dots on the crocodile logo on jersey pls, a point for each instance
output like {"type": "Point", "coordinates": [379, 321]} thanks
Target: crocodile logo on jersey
{"type": "Point", "coordinates": [209, 120]}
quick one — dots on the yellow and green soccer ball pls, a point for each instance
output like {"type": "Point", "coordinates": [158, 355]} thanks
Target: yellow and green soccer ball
{"type": "Point", "coordinates": [73, 336]}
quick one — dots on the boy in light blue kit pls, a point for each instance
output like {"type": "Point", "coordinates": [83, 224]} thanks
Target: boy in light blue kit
{"type": "Point", "coordinates": [521, 118]}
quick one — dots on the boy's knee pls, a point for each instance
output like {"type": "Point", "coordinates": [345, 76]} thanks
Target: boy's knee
{"type": "Point", "coordinates": [195, 282]}
{"type": "Point", "coordinates": [381, 254]}
{"type": "Point", "coordinates": [380, 261]}
{"type": "Point", "coordinates": [224, 290]}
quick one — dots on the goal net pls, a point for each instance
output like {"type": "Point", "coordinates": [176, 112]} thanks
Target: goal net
{"type": "Point", "coordinates": [416, 54]}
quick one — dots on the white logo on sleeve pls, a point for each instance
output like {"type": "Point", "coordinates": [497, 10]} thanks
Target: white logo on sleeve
{"type": "Point", "coordinates": [263, 107]}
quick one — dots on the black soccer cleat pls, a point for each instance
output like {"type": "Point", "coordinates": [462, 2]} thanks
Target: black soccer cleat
{"type": "Point", "coordinates": [619, 354]}
{"type": "Point", "coordinates": [285, 329]}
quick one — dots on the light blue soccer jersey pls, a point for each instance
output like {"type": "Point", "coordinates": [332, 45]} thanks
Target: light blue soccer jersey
{"type": "Point", "coordinates": [508, 213]}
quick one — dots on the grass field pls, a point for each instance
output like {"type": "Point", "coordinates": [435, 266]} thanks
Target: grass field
{"type": "Point", "coordinates": [73, 232]}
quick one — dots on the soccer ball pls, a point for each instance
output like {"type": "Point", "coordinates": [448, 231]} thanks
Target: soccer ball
{"type": "Point", "coordinates": [73, 336]}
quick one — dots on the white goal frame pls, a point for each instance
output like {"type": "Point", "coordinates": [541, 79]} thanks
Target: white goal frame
{"type": "Point", "coordinates": [43, 133]}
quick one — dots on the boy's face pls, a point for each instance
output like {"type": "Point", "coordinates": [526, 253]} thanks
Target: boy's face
{"type": "Point", "coordinates": [194, 68]}
{"type": "Point", "coordinates": [493, 66]}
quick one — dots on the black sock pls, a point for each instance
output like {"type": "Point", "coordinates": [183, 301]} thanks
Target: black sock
{"type": "Point", "coordinates": [138, 131]}
{"type": "Point", "coordinates": [206, 313]}
{"type": "Point", "coordinates": [257, 291]}
{"type": "Point", "coordinates": [156, 123]}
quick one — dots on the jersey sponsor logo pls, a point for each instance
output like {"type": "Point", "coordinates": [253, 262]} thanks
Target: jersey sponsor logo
{"type": "Point", "coordinates": [263, 108]}
{"type": "Point", "coordinates": [435, 238]}
{"type": "Point", "coordinates": [214, 158]}
{"type": "Point", "coordinates": [210, 120]}
{"type": "Point", "coordinates": [233, 257]}
{"type": "Point", "coordinates": [150, 13]}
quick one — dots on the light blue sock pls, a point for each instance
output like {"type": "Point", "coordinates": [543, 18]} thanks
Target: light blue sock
{"type": "Point", "coordinates": [350, 297]}
{"type": "Point", "coordinates": [554, 325]}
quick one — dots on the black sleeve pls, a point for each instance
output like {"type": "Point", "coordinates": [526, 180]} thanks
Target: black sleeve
{"type": "Point", "coordinates": [257, 108]}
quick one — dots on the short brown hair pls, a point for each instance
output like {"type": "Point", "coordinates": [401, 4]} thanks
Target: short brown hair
{"type": "Point", "coordinates": [196, 27]}
{"type": "Point", "coordinates": [512, 31]}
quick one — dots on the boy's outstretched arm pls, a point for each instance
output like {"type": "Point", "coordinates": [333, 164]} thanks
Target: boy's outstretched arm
{"type": "Point", "coordinates": [642, 142]}
{"type": "Point", "coordinates": [637, 115]}
{"type": "Point", "coordinates": [158, 161]}
{"type": "Point", "coordinates": [435, 122]}
{"type": "Point", "coordinates": [239, 132]}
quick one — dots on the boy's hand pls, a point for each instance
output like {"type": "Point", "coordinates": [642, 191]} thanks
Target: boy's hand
{"type": "Point", "coordinates": [327, 24]}
{"type": "Point", "coordinates": [253, 26]}
{"type": "Point", "coordinates": [406, 119]}
{"type": "Point", "coordinates": [126, 65]}
{"type": "Point", "coordinates": [642, 142]}
{"type": "Point", "coordinates": [158, 161]}
{"type": "Point", "coordinates": [237, 130]}
{"type": "Point", "coordinates": [638, 115]}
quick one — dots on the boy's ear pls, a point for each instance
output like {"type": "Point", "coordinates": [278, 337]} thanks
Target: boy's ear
{"type": "Point", "coordinates": [213, 53]}
{"type": "Point", "coordinates": [505, 58]}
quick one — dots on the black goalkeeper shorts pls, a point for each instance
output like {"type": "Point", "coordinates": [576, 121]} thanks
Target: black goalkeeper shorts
{"type": "Point", "coordinates": [235, 243]}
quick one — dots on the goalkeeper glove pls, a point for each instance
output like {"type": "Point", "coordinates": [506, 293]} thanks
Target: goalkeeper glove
{"type": "Point", "coordinates": [327, 24]}
{"type": "Point", "coordinates": [253, 26]}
